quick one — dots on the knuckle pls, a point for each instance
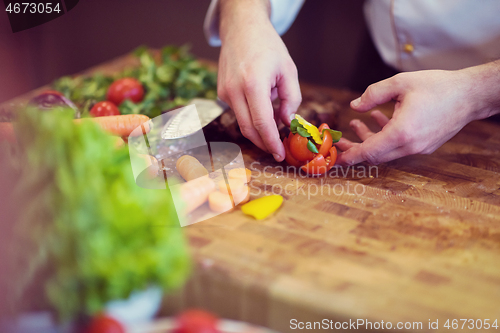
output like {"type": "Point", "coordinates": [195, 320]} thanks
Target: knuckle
{"type": "Point", "coordinates": [369, 157]}
{"type": "Point", "coordinates": [221, 92]}
{"type": "Point", "coordinates": [400, 80]}
{"type": "Point", "coordinates": [229, 90]}
{"type": "Point", "coordinates": [249, 83]}
{"type": "Point", "coordinates": [259, 124]}
{"type": "Point", "coordinates": [370, 91]}
{"type": "Point", "coordinates": [246, 131]}
{"type": "Point", "coordinates": [404, 137]}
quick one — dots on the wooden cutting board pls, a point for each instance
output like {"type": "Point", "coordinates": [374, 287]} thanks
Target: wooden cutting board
{"type": "Point", "coordinates": [418, 241]}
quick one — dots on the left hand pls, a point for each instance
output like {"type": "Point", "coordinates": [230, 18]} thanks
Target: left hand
{"type": "Point", "coordinates": [431, 107]}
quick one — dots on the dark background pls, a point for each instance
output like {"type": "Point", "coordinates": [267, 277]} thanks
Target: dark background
{"type": "Point", "coordinates": [328, 41]}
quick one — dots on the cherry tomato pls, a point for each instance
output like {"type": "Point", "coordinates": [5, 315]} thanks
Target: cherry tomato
{"type": "Point", "coordinates": [322, 127]}
{"type": "Point", "coordinates": [104, 324]}
{"type": "Point", "coordinates": [126, 88]}
{"type": "Point", "coordinates": [288, 157]}
{"type": "Point", "coordinates": [317, 166]}
{"type": "Point", "coordinates": [326, 145]}
{"type": "Point", "coordinates": [105, 108]}
{"type": "Point", "coordinates": [333, 157]}
{"type": "Point", "coordinates": [196, 321]}
{"type": "Point", "coordinates": [298, 147]}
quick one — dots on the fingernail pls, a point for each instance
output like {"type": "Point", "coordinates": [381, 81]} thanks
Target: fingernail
{"type": "Point", "coordinates": [356, 102]}
{"type": "Point", "coordinates": [292, 116]}
{"type": "Point", "coordinates": [276, 157]}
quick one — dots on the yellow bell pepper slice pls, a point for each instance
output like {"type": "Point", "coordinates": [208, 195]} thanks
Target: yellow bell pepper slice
{"type": "Point", "coordinates": [311, 129]}
{"type": "Point", "coordinates": [262, 207]}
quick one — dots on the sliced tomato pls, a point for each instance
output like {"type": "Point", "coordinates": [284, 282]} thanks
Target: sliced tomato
{"type": "Point", "coordinates": [332, 157]}
{"type": "Point", "coordinates": [288, 157]}
{"type": "Point", "coordinates": [322, 127]}
{"type": "Point", "coordinates": [326, 145]}
{"type": "Point", "coordinates": [298, 147]}
{"type": "Point", "coordinates": [317, 166]}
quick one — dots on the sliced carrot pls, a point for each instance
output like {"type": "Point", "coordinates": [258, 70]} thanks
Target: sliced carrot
{"type": "Point", "coordinates": [190, 168]}
{"type": "Point", "coordinates": [240, 173]}
{"type": "Point", "coordinates": [195, 192]}
{"type": "Point", "coordinates": [220, 202]}
{"type": "Point", "coordinates": [7, 132]}
{"type": "Point", "coordinates": [122, 125]}
{"type": "Point", "coordinates": [235, 185]}
{"type": "Point", "coordinates": [242, 196]}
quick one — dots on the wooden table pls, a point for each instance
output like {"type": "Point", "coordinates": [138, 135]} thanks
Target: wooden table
{"type": "Point", "coordinates": [421, 242]}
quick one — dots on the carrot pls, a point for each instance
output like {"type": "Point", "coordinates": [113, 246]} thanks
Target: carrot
{"type": "Point", "coordinates": [7, 132]}
{"type": "Point", "coordinates": [119, 142]}
{"type": "Point", "coordinates": [190, 168]}
{"type": "Point", "coordinates": [240, 173]}
{"type": "Point", "coordinates": [234, 185]}
{"type": "Point", "coordinates": [242, 196]}
{"type": "Point", "coordinates": [195, 192]}
{"type": "Point", "coordinates": [220, 202]}
{"type": "Point", "coordinates": [122, 125]}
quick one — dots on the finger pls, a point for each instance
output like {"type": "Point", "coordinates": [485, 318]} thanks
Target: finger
{"type": "Point", "coordinates": [289, 94]}
{"type": "Point", "coordinates": [344, 144]}
{"type": "Point", "coordinates": [374, 148]}
{"type": "Point", "coordinates": [377, 93]}
{"type": "Point", "coordinates": [258, 96]}
{"type": "Point", "coordinates": [361, 130]}
{"type": "Point", "coordinates": [380, 118]}
{"type": "Point", "coordinates": [239, 105]}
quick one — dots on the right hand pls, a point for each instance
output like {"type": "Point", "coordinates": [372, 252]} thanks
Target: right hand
{"type": "Point", "coordinates": [254, 69]}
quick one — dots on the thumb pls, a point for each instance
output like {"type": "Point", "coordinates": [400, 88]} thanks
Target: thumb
{"type": "Point", "coordinates": [377, 93]}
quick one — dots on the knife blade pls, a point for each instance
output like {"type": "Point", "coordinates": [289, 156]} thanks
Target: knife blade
{"type": "Point", "coordinates": [188, 120]}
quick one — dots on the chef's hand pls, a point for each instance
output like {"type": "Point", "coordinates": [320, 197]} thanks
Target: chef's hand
{"type": "Point", "coordinates": [254, 69]}
{"type": "Point", "coordinates": [431, 107]}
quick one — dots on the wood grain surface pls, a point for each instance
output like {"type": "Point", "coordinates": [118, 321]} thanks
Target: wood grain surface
{"type": "Point", "coordinates": [421, 242]}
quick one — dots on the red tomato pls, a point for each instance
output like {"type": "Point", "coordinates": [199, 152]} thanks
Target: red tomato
{"type": "Point", "coordinates": [326, 145]}
{"type": "Point", "coordinates": [105, 108]}
{"type": "Point", "coordinates": [126, 88]}
{"type": "Point", "coordinates": [323, 126]}
{"type": "Point", "coordinates": [104, 324]}
{"type": "Point", "coordinates": [288, 157]}
{"type": "Point", "coordinates": [317, 166]}
{"type": "Point", "coordinates": [298, 147]}
{"type": "Point", "coordinates": [333, 157]}
{"type": "Point", "coordinates": [196, 321]}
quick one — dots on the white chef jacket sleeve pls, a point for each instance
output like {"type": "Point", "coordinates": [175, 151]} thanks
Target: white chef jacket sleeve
{"type": "Point", "coordinates": [283, 13]}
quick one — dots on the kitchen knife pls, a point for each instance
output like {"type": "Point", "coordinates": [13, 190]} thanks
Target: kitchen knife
{"type": "Point", "coordinates": [188, 120]}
